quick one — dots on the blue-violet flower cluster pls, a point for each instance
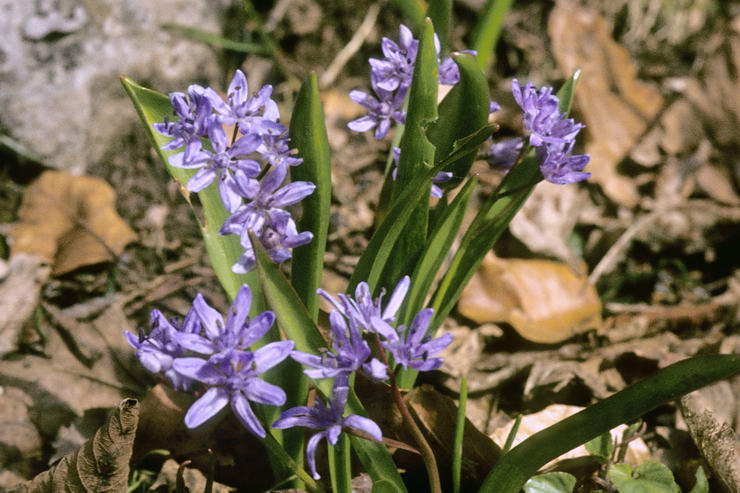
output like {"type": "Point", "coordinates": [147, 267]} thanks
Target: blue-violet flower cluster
{"type": "Point", "coordinates": [250, 192]}
{"type": "Point", "coordinates": [215, 353]}
{"type": "Point", "coordinates": [350, 319]}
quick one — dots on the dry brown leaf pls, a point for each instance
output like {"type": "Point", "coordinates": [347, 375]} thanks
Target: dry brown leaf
{"type": "Point", "coordinates": [717, 184]}
{"type": "Point", "coordinates": [616, 106]}
{"type": "Point", "coordinates": [70, 221]}
{"type": "Point", "coordinates": [101, 465]}
{"type": "Point", "coordinates": [545, 301]}
{"type": "Point", "coordinates": [193, 480]}
{"type": "Point", "coordinates": [437, 414]}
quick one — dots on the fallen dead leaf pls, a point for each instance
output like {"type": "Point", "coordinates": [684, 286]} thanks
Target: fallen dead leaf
{"type": "Point", "coordinates": [193, 480]}
{"type": "Point", "coordinates": [617, 107]}
{"type": "Point", "coordinates": [717, 183]}
{"type": "Point", "coordinates": [102, 464]}
{"type": "Point", "coordinates": [437, 414]}
{"type": "Point", "coordinates": [69, 221]}
{"type": "Point", "coordinates": [547, 220]}
{"type": "Point", "coordinates": [545, 301]}
{"type": "Point", "coordinates": [637, 451]}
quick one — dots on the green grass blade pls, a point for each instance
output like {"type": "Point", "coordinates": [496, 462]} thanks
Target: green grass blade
{"type": "Point", "coordinates": [298, 325]}
{"type": "Point", "coordinates": [340, 465]}
{"type": "Point", "coordinates": [523, 461]}
{"type": "Point", "coordinates": [417, 156]}
{"type": "Point", "coordinates": [223, 251]}
{"type": "Point", "coordinates": [457, 446]}
{"type": "Point", "coordinates": [462, 112]}
{"type": "Point", "coordinates": [216, 40]}
{"type": "Point", "coordinates": [567, 92]}
{"type": "Point", "coordinates": [413, 11]}
{"type": "Point", "coordinates": [512, 434]}
{"type": "Point", "coordinates": [440, 11]}
{"type": "Point", "coordinates": [308, 135]}
{"type": "Point", "coordinates": [488, 31]}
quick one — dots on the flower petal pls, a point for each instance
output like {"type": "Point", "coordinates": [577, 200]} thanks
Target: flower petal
{"type": "Point", "coordinates": [206, 407]}
{"type": "Point", "coordinates": [271, 354]}
{"type": "Point", "coordinates": [242, 409]}
{"type": "Point", "coordinates": [265, 393]}
{"type": "Point", "coordinates": [364, 424]}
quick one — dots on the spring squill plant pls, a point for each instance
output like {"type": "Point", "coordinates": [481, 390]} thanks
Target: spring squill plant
{"type": "Point", "coordinates": [248, 170]}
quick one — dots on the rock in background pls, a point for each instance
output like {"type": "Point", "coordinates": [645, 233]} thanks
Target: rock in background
{"type": "Point", "coordinates": [60, 61]}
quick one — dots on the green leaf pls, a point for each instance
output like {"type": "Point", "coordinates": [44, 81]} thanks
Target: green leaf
{"type": "Point", "coordinates": [552, 482]}
{"type": "Point", "coordinates": [491, 221]}
{"type": "Point", "coordinates": [463, 112]}
{"type": "Point", "coordinates": [515, 467]}
{"type": "Point", "coordinates": [602, 446]}
{"type": "Point", "coordinates": [417, 156]}
{"type": "Point", "coordinates": [457, 447]}
{"type": "Point", "coordinates": [488, 31]}
{"type": "Point", "coordinates": [648, 477]}
{"type": "Point", "coordinates": [223, 251]}
{"type": "Point", "coordinates": [308, 135]}
{"type": "Point", "coordinates": [440, 11]}
{"type": "Point", "coordinates": [215, 39]}
{"type": "Point", "coordinates": [701, 485]}
{"type": "Point", "coordinates": [298, 325]}
{"type": "Point", "coordinates": [413, 11]}
{"type": "Point", "coordinates": [567, 92]}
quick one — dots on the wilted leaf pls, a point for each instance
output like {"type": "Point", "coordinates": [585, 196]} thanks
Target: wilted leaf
{"type": "Point", "coordinates": [193, 480]}
{"type": "Point", "coordinates": [70, 221]}
{"type": "Point", "coordinates": [552, 482]}
{"type": "Point", "coordinates": [650, 477]}
{"type": "Point", "coordinates": [545, 301]}
{"type": "Point", "coordinates": [101, 465]}
{"type": "Point", "coordinates": [616, 106]}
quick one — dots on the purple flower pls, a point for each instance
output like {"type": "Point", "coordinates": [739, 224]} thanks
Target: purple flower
{"type": "Point", "coordinates": [397, 69]}
{"type": "Point", "coordinates": [369, 314]}
{"type": "Point", "coordinates": [239, 332]}
{"type": "Point", "coordinates": [275, 150]}
{"type": "Point", "coordinates": [559, 167]}
{"type": "Point", "coordinates": [503, 154]}
{"type": "Point", "coordinates": [194, 117]}
{"type": "Point", "coordinates": [349, 353]}
{"type": "Point", "coordinates": [254, 115]}
{"type": "Point", "coordinates": [220, 162]}
{"type": "Point", "coordinates": [381, 112]}
{"type": "Point", "coordinates": [232, 377]}
{"type": "Point", "coordinates": [278, 236]}
{"type": "Point", "coordinates": [157, 349]}
{"type": "Point", "coordinates": [414, 348]}
{"type": "Point", "coordinates": [449, 73]}
{"type": "Point", "coordinates": [542, 117]}
{"type": "Point", "coordinates": [263, 197]}
{"type": "Point", "coordinates": [329, 420]}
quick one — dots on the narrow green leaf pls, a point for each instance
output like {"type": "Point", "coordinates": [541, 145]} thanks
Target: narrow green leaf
{"type": "Point", "coordinates": [515, 467]}
{"type": "Point", "coordinates": [462, 112]}
{"type": "Point", "coordinates": [648, 477]}
{"type": "Point", "coordinates": [701, 485]}
{"type": "Point", "coordinates": [567, 92]}
{"type": "Point", "coordinates": [216, 40]}
{"type": "Point", "coordinates": [457, 447]}
{"type": "Point", "coordinates": [552, 482]}
{"type": "Point", "coordinates": [440, 11]}
{"type": "Point", "coordinates": [340, 465]}
{"type": "Point", "coordinates": [413, 11]}
{"type": "Point", "coordinates": [382, 244]}
{"type": "Point", "coordinates": [308, 135]}
{"type": "Point", "coordinates": [512, 434]}
{"type": "Point", "coordinates": [223, 251]}
{"type": "Point", "coordinates": [602, 446]}
{"type": "Point", "coordinates": [298, 325]}
{"type": "Point", "coordinates": [488, 31]}
{"type": "Point", "coordinates": [417, 155]}
{"type": "Point", "coordinates": [491, 221]}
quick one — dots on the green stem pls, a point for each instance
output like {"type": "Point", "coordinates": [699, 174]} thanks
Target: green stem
{"type": "Point", "coordinates": [278, 451]}
{"type": "Point", "coordinates": [435, 486]}
{"type": "Point", "coordinates": [340, 466]}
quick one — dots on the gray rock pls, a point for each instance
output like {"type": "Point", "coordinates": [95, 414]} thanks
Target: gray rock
{"type": "Point", "coordinates": [60, 61]}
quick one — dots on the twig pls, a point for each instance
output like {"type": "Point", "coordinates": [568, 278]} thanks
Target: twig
{"type": "Point", "coordinates": [346, 53]}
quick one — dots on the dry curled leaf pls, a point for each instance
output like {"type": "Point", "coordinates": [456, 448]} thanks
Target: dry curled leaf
{"type": "Point", "coordinates": [545, 301]}
{"type": "Point", "coordinates": [615, 105]}
{"type": "Point", "coordinates": [193, 480]}
{"type": "Point", "coordinates": [69, 221]}
{"type": "Point", "coordinates": [101, 465]}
